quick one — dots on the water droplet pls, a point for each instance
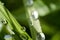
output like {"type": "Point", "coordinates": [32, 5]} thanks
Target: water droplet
{"type": "Point", "coordinates": [29, 2]}
{"type": "Point", "coordinates": [35, 14]}
{"type": "Point", "coordinates": [24, 29]}
{"type": "Point", "coordinates": [8, 37]}
{"type": "Point", "coordinates": [4, 21]}
{"type": "Point", "coordinates": [40, 36]}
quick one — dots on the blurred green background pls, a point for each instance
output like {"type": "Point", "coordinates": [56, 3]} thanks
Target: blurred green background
{"type": "Point", "coordinates": [49, 15]}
